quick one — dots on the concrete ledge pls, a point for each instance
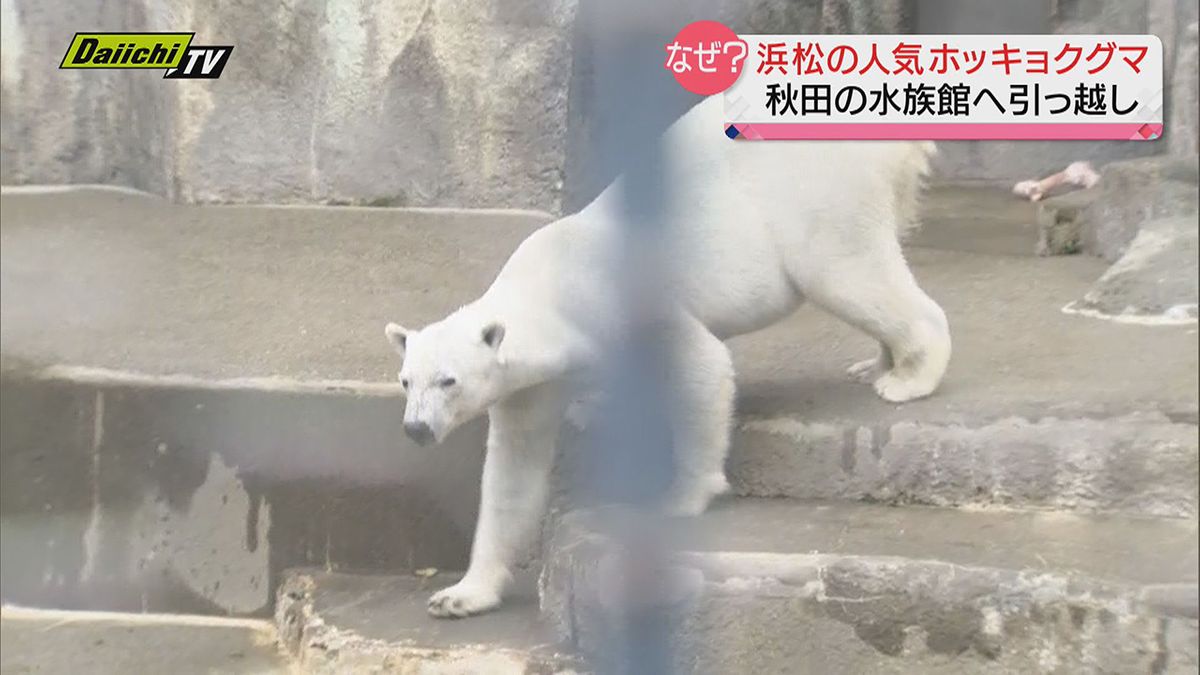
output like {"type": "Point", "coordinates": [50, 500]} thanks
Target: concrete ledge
{"type": "Point", "coordinates": [174, 375]}
{"type": "Point", "coordinates": [114, 643]}
{"type": "Point", "coordinates": [134, 493]}
{"type": "Point", "coordinates": [112, 280]}
{"type": "Point", "coordinates": [757, 611]}
{"type": "Point", "coordinates": [1039, 409]}
{"type": "Point", "coordinates": [1133, 192]}
{"type": "Point", "coordinates": [195, 399]}
{"type": "Point", "coordinates": [902, 616]}
{"type": "Point", "coordinates": [338, 623]}
{"type": "Point", "coordinates": [1144, 463]}
{"type": "Point", "coordinates": [976, 218]}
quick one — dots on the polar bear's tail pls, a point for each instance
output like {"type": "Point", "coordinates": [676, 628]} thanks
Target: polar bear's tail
{"type": "Point", "coordinates": [911, 172]}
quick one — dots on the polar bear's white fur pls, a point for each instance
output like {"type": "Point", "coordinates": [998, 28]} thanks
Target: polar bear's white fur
{"type": "Point", "coordinates": [753, 229]}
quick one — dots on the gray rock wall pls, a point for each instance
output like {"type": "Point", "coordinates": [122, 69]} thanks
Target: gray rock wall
{"type": "Point", "coordinates": [1017, 160]}
{"type": "Point", "coordinates": [497, 103]}
{"type": "Point", "coordinates": [406, 102]}
{"type": "Point", "coordinates": [1183, 134]}
{"type": "Point", "coordinates": [604, 81]}
{"type": "Point", "coordinates": [79, 126]}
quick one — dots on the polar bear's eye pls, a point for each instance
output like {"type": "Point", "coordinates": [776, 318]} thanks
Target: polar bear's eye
{"type": "Point", "coordinates": [447, 382]}
{"type": "Point", "coordinates": [404, 382]}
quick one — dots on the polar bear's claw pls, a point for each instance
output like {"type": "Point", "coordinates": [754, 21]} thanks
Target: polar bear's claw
{"type": "Point", "coordinates": [898, 390]}
{"type": "Point", "coordinates": [458, 601]}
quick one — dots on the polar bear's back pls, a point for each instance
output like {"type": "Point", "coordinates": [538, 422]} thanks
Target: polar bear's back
{"type": "Point", "coordinates": [742, 218]}
{"type": "Point", "coordinates": [822, 179]}
{"type": "Point", "coordinates": [749, 216]}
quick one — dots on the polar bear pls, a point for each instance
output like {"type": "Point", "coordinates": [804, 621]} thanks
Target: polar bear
{"type": "Point", "coordinates": [754, 229]}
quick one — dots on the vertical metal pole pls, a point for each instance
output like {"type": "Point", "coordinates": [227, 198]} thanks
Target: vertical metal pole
{"type": "Point", "coordinates": [629, 459]}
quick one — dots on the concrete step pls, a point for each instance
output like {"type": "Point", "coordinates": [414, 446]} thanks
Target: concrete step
{"type": "Point", "coordinates": [52, 642]}
{"type": "Point", "coordinates": [198, 398]}
{"type": "Point", "coordinates": [340, 623]}
{"type": "Point", "coordinates": [977, 218]}
{"type": "Point", "coordinates": [1039, 409]}
{"type": "Point", "coordinates": [787, 586]}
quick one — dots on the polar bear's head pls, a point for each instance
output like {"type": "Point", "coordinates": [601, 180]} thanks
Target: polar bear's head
{"type": "Point", "coordinates": [451, 371]}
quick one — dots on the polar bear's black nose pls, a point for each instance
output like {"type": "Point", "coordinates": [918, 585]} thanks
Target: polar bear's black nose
{"type": "Point", "coordinates": [419, 432]}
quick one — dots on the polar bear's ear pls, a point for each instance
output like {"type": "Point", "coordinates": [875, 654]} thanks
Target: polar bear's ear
{"type": "Point", "coordinates": [493, 334]}
{"type": "Point", "coordinates": [397, 335]}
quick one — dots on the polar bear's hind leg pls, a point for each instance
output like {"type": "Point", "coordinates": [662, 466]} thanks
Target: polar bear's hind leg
{"type": "Point", "coordinates": [876, 293]}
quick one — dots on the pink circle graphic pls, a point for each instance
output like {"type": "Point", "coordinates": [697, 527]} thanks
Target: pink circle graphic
{"type": "Point", "coordinates": [706, 57]}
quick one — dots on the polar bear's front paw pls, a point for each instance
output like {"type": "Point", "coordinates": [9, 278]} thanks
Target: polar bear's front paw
{"type": "Point", "coordinates": [462, 599]}
{"type": "Point", "coordinates": [898, 389]}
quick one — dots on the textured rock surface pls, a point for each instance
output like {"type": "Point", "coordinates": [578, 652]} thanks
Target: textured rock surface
{"type": "Point", "coordinates": [1183, 133]}
{"type": "Point", "coordinates": [46, 642]}
{"type": "Point", "coordinates": [880, 616]}
{"type": "Point", "coordinates": [397, 103]}
{"type": "Point", "coordinates": [867, 16]}
{"type": "Point", "coordinates": [1134, 192]}
{"type": "Point", "coordinates": [188, 497]}
{"type": "Point", "coordinates": [1019, 160]}
{"type": "Point", "coordinates": [82, 126]}
{"type": "Point", "coordinates": [442, 102]}
{"type": "Point", "coordinates": [340, 623]}
{"type": "Point", "coordinates": [1060, 222]}
{"type": "Point", "coordinates": [614, 41]}
{"type": "Point", "coordinates": [1156, 279]}
{"type": "Point", "coordinates": [848, 603]}
{"type": "Point", "coordinates": [1138, 464]}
